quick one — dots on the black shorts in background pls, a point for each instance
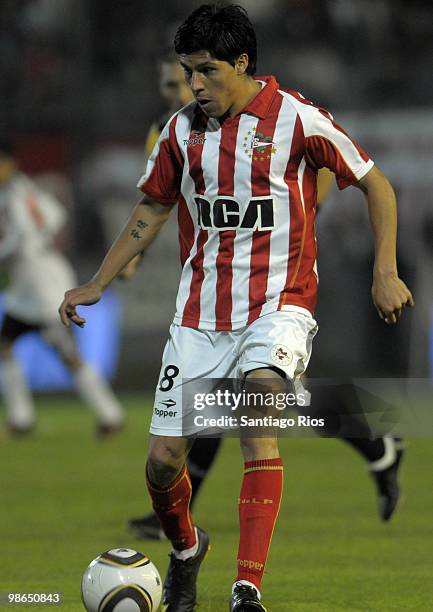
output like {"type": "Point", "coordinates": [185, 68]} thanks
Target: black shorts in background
{"type": "Point", "coordinates": [13, 328]}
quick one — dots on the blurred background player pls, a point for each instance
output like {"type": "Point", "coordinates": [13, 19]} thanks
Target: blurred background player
{"type": "Point", "coordinates": [176, 93]}
{"type": "Point", "coordinates": [383, 455]}
{"type": "Point", "coordinates": [38, 274]}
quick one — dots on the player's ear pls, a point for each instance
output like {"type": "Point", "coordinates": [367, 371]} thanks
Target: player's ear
{"type": "Point", "coordinates": [241, 64]}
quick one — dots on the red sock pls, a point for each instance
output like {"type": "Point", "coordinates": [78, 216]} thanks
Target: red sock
{"type": "Point", "coordinates": [259, 504]}
{"type": "Point", "coordinates": [171, 505]}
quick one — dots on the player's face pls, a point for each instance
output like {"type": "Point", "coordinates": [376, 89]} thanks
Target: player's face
{"type": "Point", "coordinates": [173, 87]}
{"type": "Point", "coordinates": [215, 84]}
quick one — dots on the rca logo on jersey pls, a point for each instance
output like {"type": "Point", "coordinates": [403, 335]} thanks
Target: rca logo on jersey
{"type": "Point", "coordinates": [225, 213]}
{"type": "Point", "coordinates": [281, 354]}
{"type": "Point", "coordinates": [258, 146]}
{"type": "Point", "coordinates": [197, 138]}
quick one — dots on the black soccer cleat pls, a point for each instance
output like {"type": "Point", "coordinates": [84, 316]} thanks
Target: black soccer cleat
{"type": "Point", "coordinates": [180, 591]}
{"type": "Point", "coordinates": [388, 487]}
{"type": "Point", "coordinates": [20, 431]}
{"type": "Point", "coordinates": [147, 527]}
{"type": "Point", "coordinates": [245, 599]}
{"type": "Point", "coordinates": [104, 431]}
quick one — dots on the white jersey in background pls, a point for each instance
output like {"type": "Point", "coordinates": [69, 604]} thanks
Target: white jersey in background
{"type": "Point", "coordinates": [30, 220]}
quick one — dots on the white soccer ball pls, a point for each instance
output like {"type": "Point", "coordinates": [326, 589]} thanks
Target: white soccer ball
{"type": "Point", "coordinates": [121, 580]}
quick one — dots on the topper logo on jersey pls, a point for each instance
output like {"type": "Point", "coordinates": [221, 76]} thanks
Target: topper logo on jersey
{"type": "Point", "coordinates": [197, 138]}
{"type": "Point", "coordinates": [225, 213]}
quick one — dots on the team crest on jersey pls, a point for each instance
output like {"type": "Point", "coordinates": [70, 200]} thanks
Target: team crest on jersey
{"type": "Point", "coordinates": [258, 146]}
{"type": "Point", "coordinates": [197, 138]}
{"type": "Point", "coordinates": [281, 354]}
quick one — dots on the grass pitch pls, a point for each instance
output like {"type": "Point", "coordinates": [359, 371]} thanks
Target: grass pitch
{"type": "Point", "coordinates": [66, 497]}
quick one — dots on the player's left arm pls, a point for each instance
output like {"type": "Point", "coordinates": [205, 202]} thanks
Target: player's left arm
{"type": "Point", "coordinates": [131, 268]}
{"type": "Point", "coordinates": [389, 292]}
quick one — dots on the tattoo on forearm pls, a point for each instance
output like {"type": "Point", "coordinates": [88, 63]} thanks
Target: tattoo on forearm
{"type": "Point", "coordinates": [135, 233]}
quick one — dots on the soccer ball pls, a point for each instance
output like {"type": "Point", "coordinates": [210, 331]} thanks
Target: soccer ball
{"type": "Point", "coordinates": [121, 580]}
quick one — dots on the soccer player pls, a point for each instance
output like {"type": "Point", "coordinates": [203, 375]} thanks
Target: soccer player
{"type": "Point", "coordinates": [240, 163]}
{"type": "Point", "coordinates": [382, 455]}
{"type": "Point", "coordinates": [30, 221]}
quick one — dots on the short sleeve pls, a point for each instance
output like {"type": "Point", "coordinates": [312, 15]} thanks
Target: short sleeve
{"type": "Point", "coordinates": [163, 176]}
{"type": "Point", "coordinates": [329, 146]}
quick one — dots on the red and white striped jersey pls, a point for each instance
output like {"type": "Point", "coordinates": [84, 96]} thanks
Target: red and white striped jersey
{"type": "Point", "coordinates": [246, 194]}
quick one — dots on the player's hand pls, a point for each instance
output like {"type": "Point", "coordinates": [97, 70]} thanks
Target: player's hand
{"type": "Point", "coordinates": [390, 296]}
{"type": "Point", "coordinates": [86, 295]}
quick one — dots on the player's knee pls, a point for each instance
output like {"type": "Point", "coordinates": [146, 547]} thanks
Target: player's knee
{"type": "Point", "coordinates": [255, 449]}
{"type": "Point", "coordinates": [159, 473]}
{"type": "Point", "coordinates": [73, 362]}
{"type": "Point", "coordinates": [165, 459]}
{"type": "Point", "coordinates": [69, 355]}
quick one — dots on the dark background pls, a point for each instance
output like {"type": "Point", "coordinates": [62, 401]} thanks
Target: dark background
{"type": "Point", "coordinates": [79, 92]}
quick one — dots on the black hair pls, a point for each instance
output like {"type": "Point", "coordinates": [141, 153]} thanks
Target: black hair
{"type": "Point", "coordinates": [7, 146]}
{"type": "Point", "coordinates": [223, 30]}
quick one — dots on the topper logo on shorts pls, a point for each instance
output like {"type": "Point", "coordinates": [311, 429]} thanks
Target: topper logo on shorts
{"type": "Point", "coordinates": [168, 403]}
{"type": "Point", "coordinates": [281, 354]}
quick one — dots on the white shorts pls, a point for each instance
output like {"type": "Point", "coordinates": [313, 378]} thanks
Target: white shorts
{"type": "Point", "coordinates": [281, 339]}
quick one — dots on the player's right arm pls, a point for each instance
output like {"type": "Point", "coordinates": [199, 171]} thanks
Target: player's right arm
{"type": "Point", "coordinates": [140, 230]}
{"type": "Point", "coordinates": [152, 138]}
{"type": "Point", "coordinates": [161, 187]}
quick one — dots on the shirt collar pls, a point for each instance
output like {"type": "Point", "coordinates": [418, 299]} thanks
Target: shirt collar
{"type": "Point", "coordinates": [260, 105]}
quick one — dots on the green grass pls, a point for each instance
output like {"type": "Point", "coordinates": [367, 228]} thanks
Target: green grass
{"type": "Point", "coordinates": [66, 497]}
